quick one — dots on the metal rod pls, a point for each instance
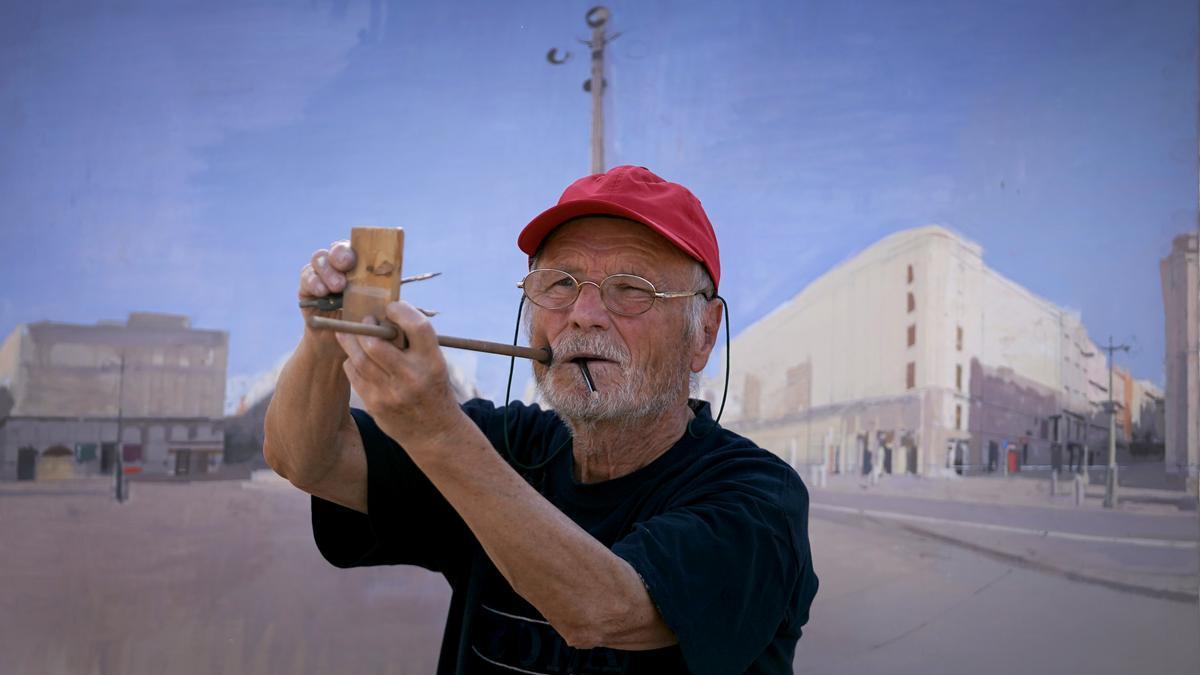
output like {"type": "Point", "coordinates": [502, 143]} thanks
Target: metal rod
{"type": "Point", "coordinates": [587, 375]}
{"type": "Point", "coordinates": [389, 332]}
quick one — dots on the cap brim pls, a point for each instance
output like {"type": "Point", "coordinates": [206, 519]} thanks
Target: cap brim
{"type": "Point", "coordinates": [536, 231]}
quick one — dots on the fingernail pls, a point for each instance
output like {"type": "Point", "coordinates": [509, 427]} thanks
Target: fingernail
{"type": "Point", "coordinates": [321, 262]}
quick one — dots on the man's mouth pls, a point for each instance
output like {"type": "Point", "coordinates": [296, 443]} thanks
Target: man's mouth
{"type": "Point", "coordinates": [584, 357]}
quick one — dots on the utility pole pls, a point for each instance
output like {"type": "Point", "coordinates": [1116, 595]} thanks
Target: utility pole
{"type": "Point", "coordinates": [119, 463]}
{"type": "Point", "coordinates": [1110, 487]}
{"type": "Point", "coordinates": [597, 18]}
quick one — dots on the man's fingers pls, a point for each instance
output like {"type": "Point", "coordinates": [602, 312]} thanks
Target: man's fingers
{"type": "Point", "coordinates": [311, 285]}
{"type": "Point", "coordinates": [333, 279]}
{"type": "Point", "coordinates": [366, 367]}
{"type": "Point", "coordinates": [421, 336]}
{"type": "Point", "coordinates": [341, 256]}
{"type": "Point", "coordinates": [386, 355]}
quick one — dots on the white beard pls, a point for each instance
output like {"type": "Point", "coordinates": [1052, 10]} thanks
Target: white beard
{"type": "Point", "coordinates": [638, 394]}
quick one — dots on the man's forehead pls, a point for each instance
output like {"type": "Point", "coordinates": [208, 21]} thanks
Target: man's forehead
{"type": "Point", "coordinates": [609, 236]}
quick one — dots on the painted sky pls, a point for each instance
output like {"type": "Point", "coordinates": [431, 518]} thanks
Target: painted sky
{"type": "Point", "coordinates": [188, 157]}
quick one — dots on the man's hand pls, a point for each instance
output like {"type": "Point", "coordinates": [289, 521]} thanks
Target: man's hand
{"type": "Point", "coordinates": [407, 391]}
{"type": "Point", "coordinates": [324, 274]}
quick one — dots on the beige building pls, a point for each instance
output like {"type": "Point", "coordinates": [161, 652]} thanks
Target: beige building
{"type": "Point", "coordinates": [915, 355]}
{"type": "Point", "coordinates": [1180, 272]}
{"type": "Point", "coordinates": [71, 387]}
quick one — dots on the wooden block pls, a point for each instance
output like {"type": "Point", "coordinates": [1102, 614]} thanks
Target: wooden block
{"type": "Point", "coordinates": [375, 279]}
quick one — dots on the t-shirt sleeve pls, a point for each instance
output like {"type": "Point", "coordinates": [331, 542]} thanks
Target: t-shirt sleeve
{"type": "Point", "coordinates": [407, 521]}
{"type": "Point", "coordinates": [728, 564]}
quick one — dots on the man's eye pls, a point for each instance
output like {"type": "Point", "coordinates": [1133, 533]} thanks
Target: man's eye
{"type": "Point", "coordinates": [564, 283]}
{"type": "Point", "coordinates": [630, 289]}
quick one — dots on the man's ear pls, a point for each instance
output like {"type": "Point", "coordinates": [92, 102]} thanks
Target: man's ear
{"type": "Point", "coordinates": [708, 337]}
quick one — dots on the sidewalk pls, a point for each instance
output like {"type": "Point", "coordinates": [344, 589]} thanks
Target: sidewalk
{"type": "Point", "coordinates": [1148, 547]}
{"type": "Point", "coordinates": [1031, 489]}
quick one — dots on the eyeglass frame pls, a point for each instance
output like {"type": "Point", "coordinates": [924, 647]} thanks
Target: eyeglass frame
{"type": "Point", "coordinates": [655, 293]}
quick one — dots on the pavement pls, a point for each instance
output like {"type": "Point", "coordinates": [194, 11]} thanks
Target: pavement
{"type": "Point", "coordinates": [1148, 547]}
{"type": "Point", "coordinates": [223, 577]}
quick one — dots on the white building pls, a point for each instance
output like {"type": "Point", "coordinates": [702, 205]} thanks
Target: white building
{"type": "Point", "coordinates": [916, 353]}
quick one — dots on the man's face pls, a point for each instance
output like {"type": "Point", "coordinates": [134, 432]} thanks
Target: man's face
{"type": "Point", "coordinates": [640, 364]}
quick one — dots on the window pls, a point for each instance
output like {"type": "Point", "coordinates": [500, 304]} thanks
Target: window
{"type": "Point", "coordinates": [912, 335]}
{"type": "Point", "coordinates": [910, 377]}
{"type": "Point", "coordinates": [751, 397]}
{"type": "Point", "coordinates": [958, 376]}
{"type": "Point", "coordinates": [958, 417]}
{"type": "Point", "coordinates": [910, 274]}
{"type": "Point", "coordinates": [958, 338]}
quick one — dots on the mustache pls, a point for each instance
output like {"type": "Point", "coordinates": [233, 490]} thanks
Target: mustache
{"type": "Point", "coordinates": [591, 344]}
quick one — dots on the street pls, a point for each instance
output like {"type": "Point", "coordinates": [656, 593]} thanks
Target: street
{"type": "Point", "coordinates": [223, 577]}
{"type": "Point", "coordinates": [892, 601]}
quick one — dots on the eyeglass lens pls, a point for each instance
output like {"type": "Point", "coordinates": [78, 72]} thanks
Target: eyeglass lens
{"type": "Point", "coordinates": [622, 293]}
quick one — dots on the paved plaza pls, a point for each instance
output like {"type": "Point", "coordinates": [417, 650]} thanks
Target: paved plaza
{"type": "Point", "coordinates": [224, 577]}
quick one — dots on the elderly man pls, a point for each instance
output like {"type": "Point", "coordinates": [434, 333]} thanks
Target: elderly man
{"type": "Point", "coordinates": [623, 531]}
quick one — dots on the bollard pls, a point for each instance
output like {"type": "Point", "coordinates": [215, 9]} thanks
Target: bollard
{"type": "Point", "coordinates": [1053, 483]}
{"type": "Point", "coordinates": [1079, 490]}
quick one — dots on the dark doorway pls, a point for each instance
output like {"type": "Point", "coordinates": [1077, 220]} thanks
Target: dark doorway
{"type": "Point", "coordinates": [108, 457]}
{"type": "Point", "coordinates": [912, 458]}
{"type": "Point", "coordinates": [887, 459]}
{"type": "Point", "coordinates": [27, 464]}
{"type": "Point", "coordinates": [183, 462]}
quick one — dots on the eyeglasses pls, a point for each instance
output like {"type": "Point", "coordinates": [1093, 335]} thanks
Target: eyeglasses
{"type": "Point", "coordinates": [624, 294]}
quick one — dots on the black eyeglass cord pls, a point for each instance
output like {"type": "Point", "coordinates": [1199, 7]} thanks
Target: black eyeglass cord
{"type": "Point", "coordinates": [725, 392]}
{"type": "Point", "coordinates": [526, 469]}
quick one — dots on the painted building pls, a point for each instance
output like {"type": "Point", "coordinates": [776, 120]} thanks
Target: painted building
{"type": "Point", "coordinates": [151, 388]}
{"type": "Point", "coordinates": [915, 355]}
{"type": "Point", "coordinates": [1180, 274]}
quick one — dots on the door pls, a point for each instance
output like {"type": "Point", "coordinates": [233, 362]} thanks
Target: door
{"type": "Point", "coordinates": [27, 464]}
{"type": "Point", "coordinates": [199, 461]}
{"type": "Point", "coordinates": [183, 462]}
{"type": "Point", "coordinates": [108, 457]}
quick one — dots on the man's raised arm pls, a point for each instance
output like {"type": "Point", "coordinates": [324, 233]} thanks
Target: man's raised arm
{"type": "Point", "coordinates": [310, 437]}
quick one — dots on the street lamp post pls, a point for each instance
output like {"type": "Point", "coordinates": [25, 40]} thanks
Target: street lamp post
{"type": "Point", "coordinates": [597, 18]}
{"type": "Point", "coordinates": [121, 490]}
{"type": "Point", "coordinates": [1110, 487]}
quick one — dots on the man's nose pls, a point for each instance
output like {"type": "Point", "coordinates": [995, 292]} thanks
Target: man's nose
{"type": "Point", "coordinates": [589, 310]}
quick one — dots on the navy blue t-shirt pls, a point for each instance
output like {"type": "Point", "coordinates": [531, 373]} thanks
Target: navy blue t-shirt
{"type": "Point", "coordinates": [716, 527]}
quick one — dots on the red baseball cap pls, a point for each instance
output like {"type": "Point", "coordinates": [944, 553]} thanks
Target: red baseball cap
{"type": "Point", "coordinates": [633, 192]}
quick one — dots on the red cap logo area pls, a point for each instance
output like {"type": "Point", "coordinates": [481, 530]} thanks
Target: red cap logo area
{"type": "Point", "coordinates": [634, 193]}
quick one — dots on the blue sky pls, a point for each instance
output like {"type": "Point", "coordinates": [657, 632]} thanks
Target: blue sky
{"type": "Point", "coordinates": [188, 157]}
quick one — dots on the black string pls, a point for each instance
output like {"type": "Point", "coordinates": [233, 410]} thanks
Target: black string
{"type": "Point", "coordinates": [725, 392]}
{"type": "Point", "coordinates": [526, 469]}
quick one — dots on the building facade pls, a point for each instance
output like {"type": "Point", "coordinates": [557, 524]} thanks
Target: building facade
{"type": "Point", "coordinates": [151, 388]}
{"type": "Point", "coordinates": [915, 355]}
{"type": "Point", "coordinates": [1180, 274]}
